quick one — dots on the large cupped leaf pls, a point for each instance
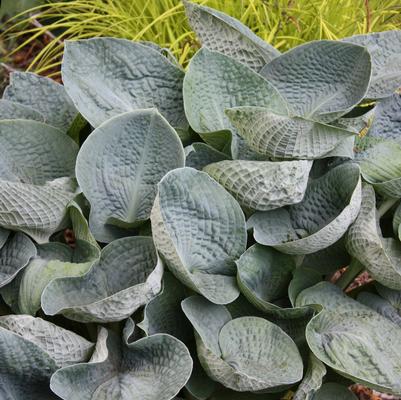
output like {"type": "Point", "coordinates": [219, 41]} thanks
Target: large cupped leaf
{"type": "Point", "coordinates": [286, 136]}
{"type": "Point", "coordinates": [53, 260]}
{"type": "Point", "coordinates": [387, 119]}
{"type": "Point", "coordinates": [12, 110]}
{"type": "Point", "coordinates": [263, 277]}
{"type": "Point", "coordinates": [125, 278]}
{"type": "Point", "coordinates": [14, 256]}
{"type": "Point", "coordinates": [359, 344]}
{"type": "Point", "coordinates": [385, 50]}
{"type": "Point", "coordinates": [262, 185]}
{"type": "Point", "coordinates": [220, 32]}
{"type": "Point", "coordinates": [31, 349]}
{"type": "Point", "coordinates": [380, 256]}
{"type": "Point", "coordinates": [36, 177]}
{"type": "Point", "coordinates": [321, 80]}
{"type": "Point", "coordinates": [215, 82]}
{"type": "Point", "coordinates": [45, 96]}
{"type": "Point", "coordinates": [299, 229]}
{"type": "Point", "coordinates": [381, 167]}
{"type": "Point", "coordinates": [155, 367]}
{"type": "Point", "coordinates": [119, 166]}
{"type": "Point", "coordinates": [199, 230]}
{"type": "Point", "coordinates": [107, 76]}
{"type": "Point", "coordinates": [243, 354]}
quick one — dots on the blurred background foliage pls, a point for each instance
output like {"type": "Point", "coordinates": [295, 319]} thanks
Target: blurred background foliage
{"type": "Point", "coordinates": [283, 23]}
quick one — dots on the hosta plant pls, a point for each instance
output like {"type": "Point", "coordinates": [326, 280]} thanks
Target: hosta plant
{"type": "Point", "coordinates": [211, 210]}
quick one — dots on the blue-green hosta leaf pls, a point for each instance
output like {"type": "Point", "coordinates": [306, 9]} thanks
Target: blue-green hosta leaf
{"type": "Point", "coordinates": [108, 76]}
{"type": "Point", "coordinates": [397, 222]}
{"type": "Point", "coordinates": [392, 296]}
{"type": "Point", "coordinates": [244, 354]}
{"type": "Point", "coordinates": [220, 32]}
{"type": "Point", "coordinates": [298, 229]}
{"type": "Point", "coordinates": [359, 344]}
{"type": "Point", "coordinates": [380, 256]}
{"type": "Point", "coordinates": [155, 367]}
{"type": "Point", "coordinates": [303, 278]}
{"type": "Point", "coordinates": [119, 166]}
{"type": "Point", "coordinates": [14, 256]}
{"type": "Point", "coordinates": [198, 155]}
{"type": "Point", "coordinates": [12, 110]}
{"type": "Point", "coordinates": [262, 185]}
{"type": "Point", "coordinates": [263, 277]}
{"type": "Point", "coordinates": [286, 136]}
{"type": "Point", "coordinates": [31, 349]}
{"type": "Point", "coordinates": [199, 229]}
{"type": "Point", "coordinates": [53, 260]}
{"type": "Point", "coordinates": [44, 95]}
{"type": "Point", "coordinates": [4, 234]}
{"type": "Point", "coordinates": [334, 391]}
{"type": "Point", "coordinates": [380, 305]}
{"type": "Point", "coordinates": [385, 51]}
{"type": "Point", "coordinates": [381, 167]}
{"type": "Point", "coordinates": [387, 121]}
{"type": "Point", "coordinates": [321, 80]}
{"type": "Point", "coordinates": [125, 278]}
{"type": "Point", "coordinates": [36, 170]}
{"type": "Point", "coordinates": [215, 82]}
{"type": "Point", "coordinates": [163, 314]}
{"type": "Point", "coordinates": [312, 379]}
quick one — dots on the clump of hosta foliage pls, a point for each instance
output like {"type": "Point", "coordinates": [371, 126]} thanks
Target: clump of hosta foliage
{"type": "Point", "coordinates": [221, 201]}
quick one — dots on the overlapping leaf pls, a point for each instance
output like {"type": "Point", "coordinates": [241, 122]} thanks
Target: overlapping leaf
{"type": "Point", "coordinates": [108, 76]}
{"type": "Point", "coordinates": [219, 32]}
{"type": "Point", "coordinates": [228, 356]}
{"type": "Point", "coordinates": [262, 185]}
{"type": "Point", "coordinates": [119, 166]}
{"type": "Point", "coordinates": [125, 278]}
{"type": "Point", "coordinates": [385, 50]}
{"type": "Point", "coordinates": [155, 367]}
{"type": "Point", "coordinates": [199, 230]}
{"type": "Point", "coordinates": [198, 155]}
{"type": "Point", "coordinates": [298, 229]}
{"type": "Point", "coordinates": [380, 256]}
{"type": "Point", "coordinates": [11, 110]}
{"type": "Point", "coordinates": [47, 97]}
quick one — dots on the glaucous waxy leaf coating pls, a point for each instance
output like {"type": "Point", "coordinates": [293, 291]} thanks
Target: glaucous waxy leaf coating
{"type": "Point", "coordinates": [14, 256]}
{"type": "Point", "coordinates": [215, 82]}
{"type": "Point", "coordinates": [108, 76]}
{"type": "Point", "coordinates": [119, 166]}
{"type": "Point", "coordinates": [53, 260]}
{"type": "Point", "coordinates": [385, 51]}
{"type": "Point", "coordinates": [220, 32]}
{"type": "Point", "coordinates": [12, 110]}
{"type": "Point", "coordinates": [243, 354]}
{"type": "Point", "coordinates": [321, 80]}
{"type": "Point", "coordinates": [381, 167]}
{"type": "Point", "coordinates": [297, 229]}
{"type": "Point", "coordinates": [359, 344]}
{"type": "Point", "coordinates": [127, 275]}
{"type": "Point", "coordinates": [262, 185]}
{"type": "Point", "coordinates": [198, 155]}
{"type": "Point", "coordinates": [44, 95]}
{"type": "Point", "coordinates": [199, 230]}
{"type": "Point", "coordinates": [334, 391]}
{"type": "Point", "coordinates": [285, 136]}
{"type": "Point", "coordinates": [380, 256]}
{"type": "Point", "coordinates": [154, 367]}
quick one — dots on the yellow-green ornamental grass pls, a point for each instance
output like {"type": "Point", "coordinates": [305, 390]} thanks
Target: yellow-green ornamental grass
{"type": "Point", "coordinates": [283, 23]}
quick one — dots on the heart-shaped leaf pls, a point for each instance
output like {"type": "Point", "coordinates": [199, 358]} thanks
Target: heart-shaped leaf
{"type": "Point", "coordinates": [244, 354]}
{"type": "Point", "coordinates": [119, 166]}
{"type": "Point", "coordinates": [297, 229]}
{"type": "Point", "coordinates": [220, 32]}
{"type": "Point", "coordinates": [108, 76]}
{"type": "Point", "coordinates": [125, 278]}
{"type": "Point", "coordinates": [43, 95]}
{"type": "Point", "coordinates": [199, 230]}
{"type": "Point", "coordinates": [155, 367]}
{"type": "Point", "coordinates": [380, 256]}
{"type": "Point", "coordinates": [385, 50]}
{"type": "Point", "coordinates": [262, 185]}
